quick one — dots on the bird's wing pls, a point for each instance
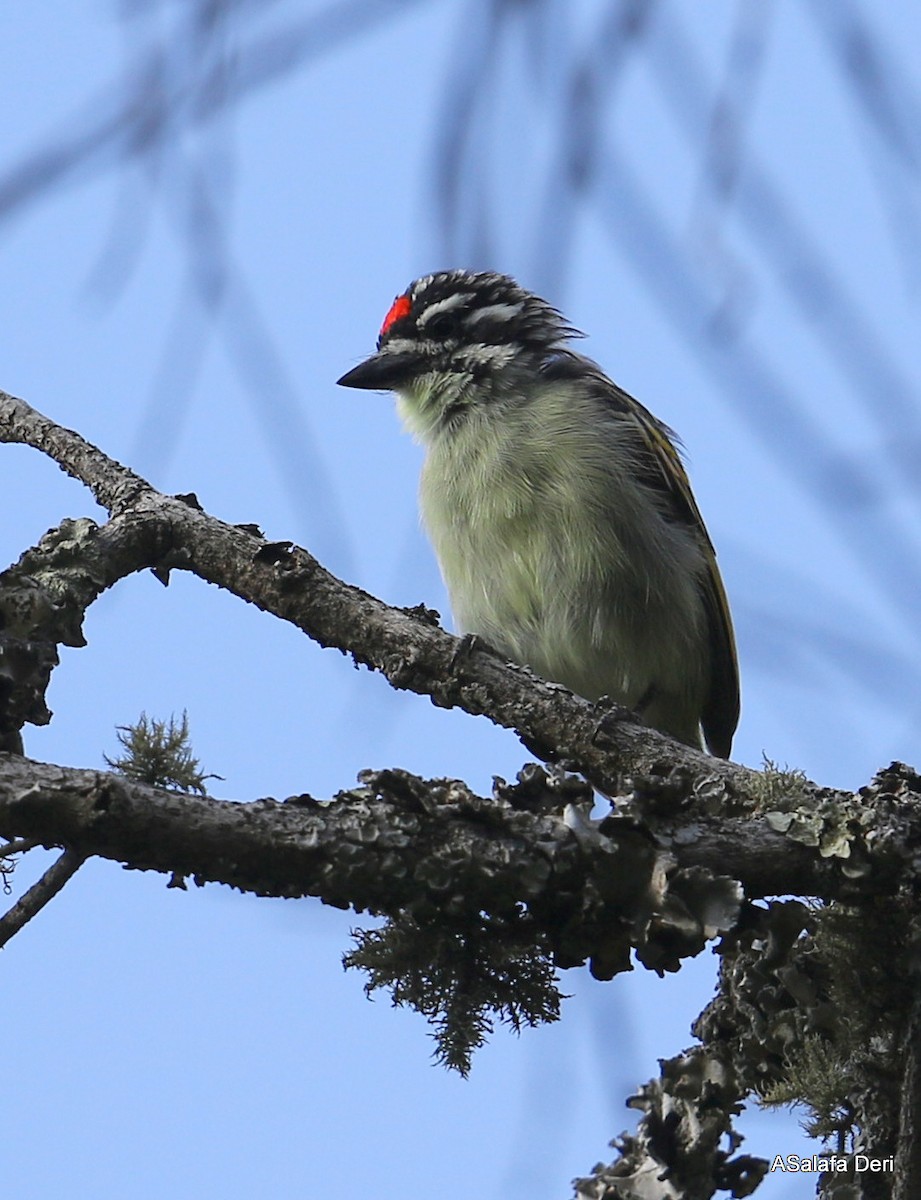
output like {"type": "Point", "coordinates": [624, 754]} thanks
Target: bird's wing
{"type": "Point", "coordinates": [720, 713]}
{"type": "Point", "coordinates": [664, 473]}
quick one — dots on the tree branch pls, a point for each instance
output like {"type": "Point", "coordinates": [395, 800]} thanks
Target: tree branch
{"type": "Point", "coordinates": [148, 529]}
{"type": "Point", "coordinates": [35, 899]}
{"type": "Point", "coordinates": [597, 888]}
{"type": "Point", "coordinates": [18, 846]}
{"type": "Point", "coordinates": [398, 844]}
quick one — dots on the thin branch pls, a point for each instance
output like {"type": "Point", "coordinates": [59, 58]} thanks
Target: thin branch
{"type": "Point", "coordinates": [35, 899]}
{"type": "Point", "coordinates": [18, 846]}
{"type": "Point", "coordinates": [113, 486]}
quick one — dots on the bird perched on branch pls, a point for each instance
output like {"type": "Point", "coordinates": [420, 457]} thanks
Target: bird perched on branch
{"type": "Point", "coordinates": [558, 506]}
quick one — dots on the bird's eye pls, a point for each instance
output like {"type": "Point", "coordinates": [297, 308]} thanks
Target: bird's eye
{"type": "Point", "coordinates": [440, 325]}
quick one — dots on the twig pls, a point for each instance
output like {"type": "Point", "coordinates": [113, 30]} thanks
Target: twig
{"type": "Point", "coordinates": [18, 846]}
{"type": "Point", "coordinates": [39, 894]}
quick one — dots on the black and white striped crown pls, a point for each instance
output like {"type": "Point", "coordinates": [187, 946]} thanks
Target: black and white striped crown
{"type": "Point", "coordinates": [473, 308]}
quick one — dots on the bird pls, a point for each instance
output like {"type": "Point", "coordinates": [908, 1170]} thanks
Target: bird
{"type": "Point", "coordinates": [558, 506]}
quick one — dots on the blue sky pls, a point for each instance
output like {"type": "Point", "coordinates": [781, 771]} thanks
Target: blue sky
{"type": "Point", "coordinates": [209, 1043]}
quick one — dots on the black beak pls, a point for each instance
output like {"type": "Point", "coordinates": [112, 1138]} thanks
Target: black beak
{"type": "Point", "coordinates": [380, 372]}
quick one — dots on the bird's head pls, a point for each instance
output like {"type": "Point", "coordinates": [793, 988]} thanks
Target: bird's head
{"type": "Point", "coordinates": [457, 339]}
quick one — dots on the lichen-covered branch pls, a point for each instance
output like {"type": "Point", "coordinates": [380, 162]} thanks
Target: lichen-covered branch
{"type": "Point", "coordinates": [678, 1150]}
{"type": "Point", "coordinates": [810, 1010]}
{"type": "Point", "coordinates": [396, 845]}
{"type": "Point", "coordinates": [396, 838]}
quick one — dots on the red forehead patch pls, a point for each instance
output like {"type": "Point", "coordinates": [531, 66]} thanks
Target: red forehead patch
{"type": "Point", "coordinates": [401, 307]}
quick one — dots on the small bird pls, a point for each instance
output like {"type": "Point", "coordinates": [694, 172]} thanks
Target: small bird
{"type": "Point", "coordinates": [558, 506]}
